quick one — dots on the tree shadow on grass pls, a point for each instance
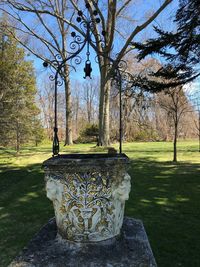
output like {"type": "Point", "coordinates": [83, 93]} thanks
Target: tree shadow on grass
{"type": "Point", "coordinates": [153, 150]}
{"type": "Point", "coordinates": [24, 208]}
{"type": "Point", "coordinates": [166, 197]}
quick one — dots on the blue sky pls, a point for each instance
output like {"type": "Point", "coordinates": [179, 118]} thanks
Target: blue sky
{"type": "Point", "coordinates": [165, 19]}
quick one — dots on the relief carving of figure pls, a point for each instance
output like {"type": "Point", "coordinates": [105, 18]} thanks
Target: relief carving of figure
{"type": "Point", "coordinates": [120, 193]}
{"type": "Point", "coordinates": [55, 191]}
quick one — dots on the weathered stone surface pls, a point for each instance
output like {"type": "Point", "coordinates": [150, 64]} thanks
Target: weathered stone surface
{"type": "Point", "coordinates": [83, 162]}
{"type": "Point", "coordinates": [131, 249]}
{"type": "Point", "coordinates": [88, 192]}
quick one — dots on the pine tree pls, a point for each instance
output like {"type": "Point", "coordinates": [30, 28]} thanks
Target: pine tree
{"type": "Point", "coordinates": [180, 49]}
{"type": "Point", "coordinates": [18, 110]}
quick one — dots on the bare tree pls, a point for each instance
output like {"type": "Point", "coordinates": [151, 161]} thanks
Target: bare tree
{"type": "Point", "coordinates": [176, 105]}
{"type": "Point", "coordinates": [78, 109]}
{"type": "Point", "coordinates": [46, 102]}
{"type": "Point", "coordinates": [195, 102]}
{"type": "Point", "coordinates": [161, 122]}
{"type": "Point", "coordinates": [137, 103]}
{"type": "Point", "coordinates": [110, 13]}
{"type": "Point", "coordinates": [109, 26]}
{"type": "Point", "coordinates": [197, 125]}
{"type": "Point", "coordinates": [90, 97]}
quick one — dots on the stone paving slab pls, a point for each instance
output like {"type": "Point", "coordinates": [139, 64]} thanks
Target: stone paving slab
{"type": "Point", "coordinates": [131, 249]}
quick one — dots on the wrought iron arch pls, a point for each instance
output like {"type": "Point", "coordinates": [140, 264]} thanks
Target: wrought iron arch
{"type": "Point", "coordinates": [118, 70]}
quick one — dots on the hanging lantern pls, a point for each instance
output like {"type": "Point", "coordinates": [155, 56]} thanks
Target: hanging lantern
{"type": "Point", "coordinates": [87, 70]}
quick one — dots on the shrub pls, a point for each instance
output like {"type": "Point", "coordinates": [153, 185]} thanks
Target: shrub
{"type": "Point", "coordinates": [89, 134]}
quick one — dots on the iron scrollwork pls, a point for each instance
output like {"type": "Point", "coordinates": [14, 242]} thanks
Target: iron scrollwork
{"type": "Point", "coordinates": [73, 58]}
{"type": "Point", "coordinates": [117, 70]}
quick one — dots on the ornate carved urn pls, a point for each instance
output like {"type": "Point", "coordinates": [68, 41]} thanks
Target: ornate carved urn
{"type": "Point", "coordinates": [88, 192]}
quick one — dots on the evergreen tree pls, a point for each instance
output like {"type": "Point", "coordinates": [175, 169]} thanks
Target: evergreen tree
{"type": "Point", "coordinates": [180, 49]}
{"type": "Point", "coordinates": [18, 111]}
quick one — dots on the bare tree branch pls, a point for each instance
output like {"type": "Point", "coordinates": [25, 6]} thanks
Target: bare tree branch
{"type": "Point", "coordinates": [100, 14]}
{"type": "Point", "coordinates": [21, 7]}
{"type": "Point", "coordinates": [33, 33]}
{"type": "Point", "coordinates": [123, 7]}
{"type": "Point", "coordinates": [140, 28]}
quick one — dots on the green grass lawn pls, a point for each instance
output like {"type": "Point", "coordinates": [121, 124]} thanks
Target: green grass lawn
{"type": "Point", "coordinates": [165, 196]}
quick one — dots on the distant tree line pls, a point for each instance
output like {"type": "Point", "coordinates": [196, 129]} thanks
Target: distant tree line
{"type": "Point", "coordinates": [146, 116]}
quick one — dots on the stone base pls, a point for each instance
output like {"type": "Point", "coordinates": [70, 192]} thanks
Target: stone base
{"type": "Point", "coordinates": [46, 249]}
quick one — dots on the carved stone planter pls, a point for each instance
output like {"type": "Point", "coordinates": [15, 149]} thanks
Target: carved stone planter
{"type": "Point", "coordinates": [88, 193]}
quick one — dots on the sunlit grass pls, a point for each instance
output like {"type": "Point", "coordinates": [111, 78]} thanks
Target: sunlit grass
{"type": "Point", "coordinates": [165, 196]}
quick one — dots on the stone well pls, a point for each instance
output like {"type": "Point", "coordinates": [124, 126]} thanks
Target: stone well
{"type": "Point", "coordinates": [88, 192]}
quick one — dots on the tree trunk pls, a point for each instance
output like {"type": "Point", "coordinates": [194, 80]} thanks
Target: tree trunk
{"type": "Point", "coordinates": [68, 137]}
{"type": "Point", "coordinates": [199, 131]}
{"type": "Point", "coordinates": [101, 110]}
{"type": "Point", "coordinates": [77, 115]}
{"type": "Point", "coordinates": [89, 112]}
{"type": "Point", "coordinates": [104, 108]}
{"type": "Point", "coordinates": [106, 117]}
{"type": "Point", "coordinates": [17, 138]}
{"type": "Point", "coordinates": [175, 142]}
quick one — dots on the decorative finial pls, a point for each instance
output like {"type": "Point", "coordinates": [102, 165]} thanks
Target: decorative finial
{"type": "Point", "coordinates": [45, 64]}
